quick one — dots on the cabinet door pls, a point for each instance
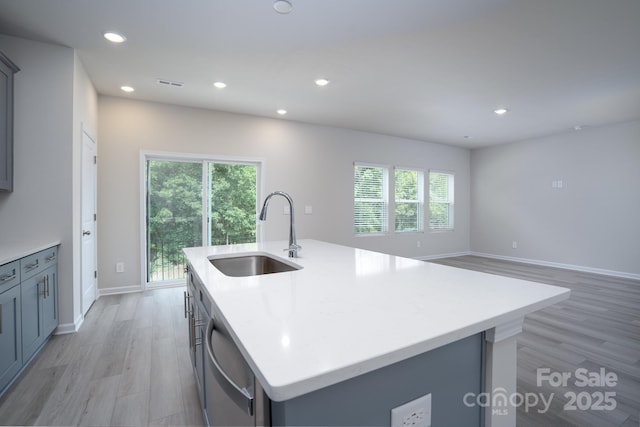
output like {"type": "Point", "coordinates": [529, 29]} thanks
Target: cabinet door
{"type": "Point", "coordinates": [32, 333]}
{"type": "Point", "coordinates": [39, 310]}
{"type": "Point", "coordinates": [50, 301]}
{"type": "Point", "coordinates": [196, 335]}
{"type": "Point", "coordinates": [10, 335]}
{"type": "Point", "coordinates": [7, 68]}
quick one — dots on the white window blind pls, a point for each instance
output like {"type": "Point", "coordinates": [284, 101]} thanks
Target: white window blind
{"type": "Point", "coordinates": [409, 198]}
{"type": "Point", "coordinates": [371, 189]}
{"type": "Point", "coordinates": [440, 201]}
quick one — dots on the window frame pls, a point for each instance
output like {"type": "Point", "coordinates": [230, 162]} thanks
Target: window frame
{"type": "Point", "coordinates": [450, 226]}
{"type": "Point", "coordinates": [384, 200]}
{"type": "Point", "coordinates": [420, 201]}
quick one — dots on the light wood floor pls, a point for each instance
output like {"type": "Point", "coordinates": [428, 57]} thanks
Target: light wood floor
{"type": "Point", "coordinates": [127, 366]}
{"type": "Point", "coordinates": [597, 327]}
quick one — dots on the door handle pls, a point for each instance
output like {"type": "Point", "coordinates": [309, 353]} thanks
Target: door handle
{"type": "Point", "coordinates": [86, 233]}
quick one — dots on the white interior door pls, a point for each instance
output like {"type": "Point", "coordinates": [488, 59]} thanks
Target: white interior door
{"type": "Point", "coordinates": [89, 181]}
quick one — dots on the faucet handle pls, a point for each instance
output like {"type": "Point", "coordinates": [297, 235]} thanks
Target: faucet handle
{"type": "Point", "coordinates": [293, 250]}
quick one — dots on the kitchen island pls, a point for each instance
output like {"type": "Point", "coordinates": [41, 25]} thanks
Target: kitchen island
{"type": "Point", "coordinates": [354, 318]}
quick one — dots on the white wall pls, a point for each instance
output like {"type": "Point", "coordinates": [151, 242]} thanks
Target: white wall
{"type": "Point", "coordinates": [54, 98]}
{"type": "Point", "coordinates": [40, 208]}
{"type": "Point", "coordinates": [312, 163]}
{"type": "Point", "coordinates": [592, 221]}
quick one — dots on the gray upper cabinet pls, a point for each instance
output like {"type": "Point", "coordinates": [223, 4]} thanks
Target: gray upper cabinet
{"type": "Point", "coordinates": [7, 70]}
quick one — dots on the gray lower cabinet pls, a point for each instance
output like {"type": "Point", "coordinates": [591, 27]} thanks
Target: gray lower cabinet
{"type": "Point", "coordinates": [28, 310]}
{"type": "Point", "coordinates": [197, 317]}
{"type": "Point", "coordinates": [10, 335]}
{"type": "Point", "coordinates": [39, 311]}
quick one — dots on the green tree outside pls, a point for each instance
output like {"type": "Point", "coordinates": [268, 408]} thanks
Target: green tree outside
{"type": "Point", "coordinates": [175, 211]}
{"type": "Point", "coordinates": [233, 204]}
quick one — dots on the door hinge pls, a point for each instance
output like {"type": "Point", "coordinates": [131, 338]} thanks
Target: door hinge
{"type": "Point", "coordinates": [95, 217]}
{"type": "Point", "coordinates": [95, 274]}
{"type": "Point", "coordinates": [95, 160]}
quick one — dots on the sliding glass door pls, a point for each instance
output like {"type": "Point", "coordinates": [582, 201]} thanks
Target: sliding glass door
{"type": "Point", "coordinates": [232, 203]}
{"type": "Point", "coordinates": [195, 202]}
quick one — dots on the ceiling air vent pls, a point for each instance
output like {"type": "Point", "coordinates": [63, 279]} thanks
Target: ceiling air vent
{"type": "Point", "coordinates": [165, 82]}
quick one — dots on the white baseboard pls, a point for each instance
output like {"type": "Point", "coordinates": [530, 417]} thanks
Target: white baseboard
{"type": "Point", "coordinates": [70, 328]}
{"type": "Point", "coordinates": [438, 256]}
{"type": "Point", "coordinates": [120, 290]}
{"type": "Point", "coordinates": [593, 270]}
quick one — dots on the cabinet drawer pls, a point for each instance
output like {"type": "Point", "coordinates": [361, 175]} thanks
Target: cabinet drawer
{"type": "Point", "coordinates": [49, 257]}
{"type": "Point", "coordinates": [9, 275]}
{"type": "Point", "coordinates": [37, 262]}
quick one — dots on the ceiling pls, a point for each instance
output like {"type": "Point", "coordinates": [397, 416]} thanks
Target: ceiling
{"type": "Point", "coordinates": [431, 70]}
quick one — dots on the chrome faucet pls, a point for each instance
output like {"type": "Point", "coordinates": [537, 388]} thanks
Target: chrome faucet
{"type": "Point", "coordinates": [293, 245]}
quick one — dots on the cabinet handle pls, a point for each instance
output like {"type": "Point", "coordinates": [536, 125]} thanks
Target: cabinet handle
{"type": "Point", "coordinates": [32, 266]}
{"type": "Point", "coordinates": [194, 325]}
{"type": "Point", "coordinates": [51, 257]}
{"type": "Point", "coordinates": [187, 297]}
{"type": "Point", "coordinates": [47, 287]}
{"type": "Point", "coordinates": [7, 277]}
{"type": "Point", "coordinates": [190, 345]}
{"type": "Point", "coordinates": [193, 333]}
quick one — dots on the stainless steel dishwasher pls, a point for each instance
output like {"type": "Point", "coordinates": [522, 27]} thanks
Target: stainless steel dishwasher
{"type": "Point", "coordinates": [234, 396]}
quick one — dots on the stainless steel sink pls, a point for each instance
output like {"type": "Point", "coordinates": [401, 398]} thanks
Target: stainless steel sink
{"type": "Point", "coordinates": [251, 265]}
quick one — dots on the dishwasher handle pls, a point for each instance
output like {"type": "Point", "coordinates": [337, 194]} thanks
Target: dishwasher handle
{"type": "Point", "coordinates": [239, 395]}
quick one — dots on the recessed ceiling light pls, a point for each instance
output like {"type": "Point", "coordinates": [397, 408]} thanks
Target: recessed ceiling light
{"type": "Point", "coordinates": [114, 37]}
{"type": "Point", "coordinates": [500, 111]}
{"type": "Point", "coordinates": [282, 6]}
{"type": "Point", "coordinates": [281, 112]}
{"type": "Point", "coordinates": [220, 85]}
{"type": "Point", "coordinates": [127, 88]}
{"type": "Point", "coordinates": [322, 82]}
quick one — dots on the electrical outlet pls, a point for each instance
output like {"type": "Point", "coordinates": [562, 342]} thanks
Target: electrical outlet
{"type": "Point", "coordinates": [120, 267]}
{"type": "Point", "coordinates": [514, 244]}
{"type": "Point", "coordinates": [416, 413]}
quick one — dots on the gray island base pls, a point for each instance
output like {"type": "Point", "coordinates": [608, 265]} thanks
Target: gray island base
{"type": "Point", "coordinates": [447, 373]}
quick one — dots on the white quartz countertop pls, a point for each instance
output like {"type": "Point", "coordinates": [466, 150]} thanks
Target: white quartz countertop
{"type": "Point", "coordinates": [349, 311]}
{"type": "Point", "coordinates": [10, 253]}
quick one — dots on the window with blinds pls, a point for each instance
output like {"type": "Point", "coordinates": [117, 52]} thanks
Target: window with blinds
{"type": "Point", "coordinates": [371, 200]}
{"type": "Point", "coordinates": [440, 201]}
{"type": "Point", "coordinates": [409, 200]}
